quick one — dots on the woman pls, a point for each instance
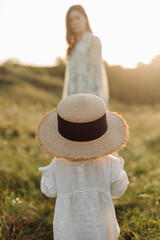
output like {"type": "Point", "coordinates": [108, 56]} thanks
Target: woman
{"type": "Point", "coordinates": [85, 72]}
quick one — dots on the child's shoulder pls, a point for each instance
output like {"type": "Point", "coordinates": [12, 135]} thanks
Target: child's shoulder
{"type": "Point", "coordinates": [116, 160]}
{"type": "Point", "coordinates": [116, 164]}
{"type": "Point", "coordinates": [48, 168]}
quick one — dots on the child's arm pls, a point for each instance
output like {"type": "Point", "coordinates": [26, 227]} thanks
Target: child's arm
{"type": "Point", "coordinates": [48, 180]}
{"type": "Point", "coordinates": [119, 179]}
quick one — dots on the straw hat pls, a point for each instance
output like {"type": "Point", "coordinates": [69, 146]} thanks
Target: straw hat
{"type": "Point", "coordinates": [81, 128]}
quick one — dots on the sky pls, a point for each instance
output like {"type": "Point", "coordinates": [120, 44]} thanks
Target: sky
{"type": "Point", "coordinates": [33, 31]}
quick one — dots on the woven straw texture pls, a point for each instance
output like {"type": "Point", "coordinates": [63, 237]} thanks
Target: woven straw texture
{"type": "Point", "coordinates": [81, 108]}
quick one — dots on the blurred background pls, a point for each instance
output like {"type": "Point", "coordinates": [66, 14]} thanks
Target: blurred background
{"type": "Point", "coordinates": [32, 67]}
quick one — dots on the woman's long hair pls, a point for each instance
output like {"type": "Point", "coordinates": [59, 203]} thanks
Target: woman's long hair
{"type": "Point", "coordinates": [70, 36]}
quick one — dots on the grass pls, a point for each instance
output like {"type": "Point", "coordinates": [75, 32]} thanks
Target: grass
{"type": "Point", "coordinates": [138, 210]}
{"type": "Point", "coordinates": [26, 214]}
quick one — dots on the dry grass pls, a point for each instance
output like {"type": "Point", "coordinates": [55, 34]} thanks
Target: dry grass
{"type": "Point", "coordinates": [25, 212]}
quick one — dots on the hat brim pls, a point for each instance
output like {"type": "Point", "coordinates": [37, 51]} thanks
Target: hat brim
{"type": "Point", "coordinates": [56, 145]}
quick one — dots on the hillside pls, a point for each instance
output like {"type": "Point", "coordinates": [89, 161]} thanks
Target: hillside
{"type": "Point", "coordinates": [137, 85]}
{"type": "Point", "coordinates": [26, 93]}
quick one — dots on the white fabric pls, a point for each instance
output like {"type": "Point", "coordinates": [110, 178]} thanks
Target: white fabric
{"type": "Point", "coordinates": [85, 71]}
{"type": "Point", "coordinates": [84, 209]}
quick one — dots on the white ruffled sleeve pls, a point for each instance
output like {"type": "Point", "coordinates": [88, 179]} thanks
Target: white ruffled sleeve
{"type": "Point", "coordinates": [119, 179]}
{"type": "Point", "coordinates": [48, 180]}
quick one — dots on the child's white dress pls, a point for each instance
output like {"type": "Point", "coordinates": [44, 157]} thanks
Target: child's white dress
{"type": "Point", "coordinates": [84, 209]}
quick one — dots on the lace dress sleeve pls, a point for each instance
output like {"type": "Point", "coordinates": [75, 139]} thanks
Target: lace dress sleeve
{"type": "Point", "coordinates": [95, 60]}
{"type": "Point", "coordinates": [97, 72]}
{"type": "Point", "coordinates": [48, 180]}
{"type": "Point", "coordinates": [119, 179]}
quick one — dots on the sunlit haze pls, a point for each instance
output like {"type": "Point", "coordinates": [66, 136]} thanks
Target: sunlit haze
{"type": "Point", "coordinates": [33, 31]}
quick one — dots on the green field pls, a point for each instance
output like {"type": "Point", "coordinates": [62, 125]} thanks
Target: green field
{"type": "Point", "coordinates": [25, 95]}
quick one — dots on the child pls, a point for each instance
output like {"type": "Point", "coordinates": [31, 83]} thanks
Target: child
{"type": "Point", "coordinates": [84, 177]}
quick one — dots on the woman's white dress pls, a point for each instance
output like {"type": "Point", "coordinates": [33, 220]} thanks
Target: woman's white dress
{"type": "Point", "coordinates": [85, 71]}
{"type": "Point", "coordinates": [84, 209]}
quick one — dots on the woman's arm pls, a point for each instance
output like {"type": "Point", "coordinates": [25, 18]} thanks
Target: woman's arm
{"type": "Point", "coordinates": [96, 71]}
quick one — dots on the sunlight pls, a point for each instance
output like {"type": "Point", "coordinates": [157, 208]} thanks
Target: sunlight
{"type": "Point", "coordinates": [128, 31]}
{"type": "Point", "coordinates": [34, 31]}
